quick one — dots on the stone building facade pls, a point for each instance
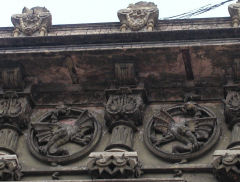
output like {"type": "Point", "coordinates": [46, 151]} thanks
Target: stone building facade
{"type": "Point", "coordinates": [142, 99]}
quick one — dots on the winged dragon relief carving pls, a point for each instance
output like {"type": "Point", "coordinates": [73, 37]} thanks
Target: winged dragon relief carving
{"type": "Point", "coordinates": [182, 132]}
{"type": "Point", "coordinates": [49, 136]}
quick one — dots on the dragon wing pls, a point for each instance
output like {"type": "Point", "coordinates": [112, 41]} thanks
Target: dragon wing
{"type": "Point", "coordinates": [162, 122]}
{"type": "Point", "coordinates": [202, 127]}
{"type": "Point", "coordinates": [85, 129]}
{"type": "Point", "coordinates": [45, 131]}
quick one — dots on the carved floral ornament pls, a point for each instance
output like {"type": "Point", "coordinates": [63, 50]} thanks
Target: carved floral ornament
{"type": "Point", "coordinates": [31, 21]}
{"type": "Point", "coordinates": [63, 135]}
{"type": "Point", "coordinates": [142, 15]}
{"type": "Point", "coordinates": [182, 132]}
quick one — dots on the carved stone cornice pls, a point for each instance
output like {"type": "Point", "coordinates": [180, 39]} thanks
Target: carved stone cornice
{"type": "Point", "coordinates": [139, 16]}
{"type": "Point", "coordinates": [31, 21]}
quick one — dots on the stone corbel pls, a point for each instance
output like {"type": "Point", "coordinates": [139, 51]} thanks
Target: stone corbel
{"type": "Point", "coordinates": [15, 107]}
{"type": "Point", "coordinates": [226, 162]}
{"type": "Point", "coordinates": [123, 114]}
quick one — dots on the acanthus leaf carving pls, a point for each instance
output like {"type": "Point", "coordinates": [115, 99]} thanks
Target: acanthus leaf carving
{"type": "Point", "coordinates": [15, 109]}
{"type": "Point", "coordinates": [128, 107]}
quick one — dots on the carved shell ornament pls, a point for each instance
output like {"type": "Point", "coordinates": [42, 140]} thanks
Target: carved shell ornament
{"type": "Point", "coordinates": [32, 20]}
{"type": "Point", "coordinates": [182, 132]}
{"type": "Point", "coordinates": [138, 16]}
{"type": "Point", "coordinates": [63, 135]}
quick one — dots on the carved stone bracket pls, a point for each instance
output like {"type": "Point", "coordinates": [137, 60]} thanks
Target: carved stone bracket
{"type": "Point", "coordinates": [226, 162]}
{"type": "Point", "coordinates": [123, 113]}
{"type": "Point", "coordinates": [139, 16]}
{"type": "Point", "coordinates": [15, 113]}
{"type": "Point", "coordinates": [114, 165]}
{"type": "Point", "coordinates": [234, 13]}
{"type": "Point", "coordinates": [10, 170]}
{"type": "Point", "coordinates": [226, 165]}
{"type": "Point", "coordinates": [32, 20]}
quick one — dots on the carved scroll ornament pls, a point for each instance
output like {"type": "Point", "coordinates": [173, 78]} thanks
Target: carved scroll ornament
{"type": "Point", "coordinates": [63, 126]}
{"type": "Point", "coordinates": [142, 15]}
{"type": "Point", "coordinates": [182, 132]}
{"type": "Point", "coordinates": [32, 20]}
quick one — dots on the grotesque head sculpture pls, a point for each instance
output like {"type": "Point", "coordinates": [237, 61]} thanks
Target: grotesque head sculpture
{"type": "Point", "coordinates": [31, 20]}
{"type": "Point", "coordinates": [142, 15]}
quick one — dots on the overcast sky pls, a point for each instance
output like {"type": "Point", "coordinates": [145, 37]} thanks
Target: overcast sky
{"type": "Point", "coordinates": [93, 11]}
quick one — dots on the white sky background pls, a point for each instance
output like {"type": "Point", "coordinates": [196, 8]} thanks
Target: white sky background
{"type": "Point", "coordinates": [94, 11]}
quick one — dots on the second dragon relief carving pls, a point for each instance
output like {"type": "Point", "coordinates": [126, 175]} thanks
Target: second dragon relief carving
{"type": "Point", "coordinates": [182, 132]}
{"type": "Point", "coordinates": [63, 135]}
